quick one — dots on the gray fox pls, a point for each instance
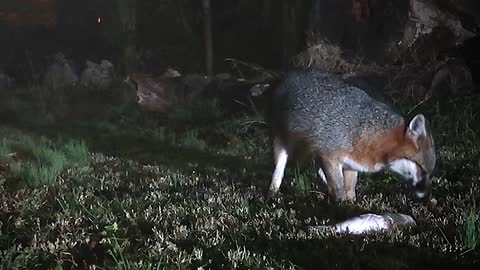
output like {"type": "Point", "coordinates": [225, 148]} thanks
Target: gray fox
{"type": "Point", "coordinates": [347, 131]}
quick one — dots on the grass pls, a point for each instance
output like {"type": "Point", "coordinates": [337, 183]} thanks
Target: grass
{"type": "Point", "coordinates": [190, 139]}
{"type": "Point", "coordinates": [200, 110]}
{"type": "Point", "coordinates": [164, 135]}
{"type": "Point", "coordinates": [39, 163]}
{"type": "Point", "coordinates": [8, 257]}
{"type": "Point", "coordinates": [245, 136]}
{"type": "Point", "coordinates": [472, 230]}
{"type": "Point", "coordinates": [35, 174]}
{"type": "Point", "coordinates": [4, 150]}
{"type": "Point", "coordinates": [301, 181]}
{"type": "Point", "coordinates": [75, 151]}
{"type": "Point", "coordinates": [176, 193]}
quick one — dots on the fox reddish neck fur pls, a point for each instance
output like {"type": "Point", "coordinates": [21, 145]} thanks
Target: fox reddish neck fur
{"type": "Point", "coordinates": [383, 149]}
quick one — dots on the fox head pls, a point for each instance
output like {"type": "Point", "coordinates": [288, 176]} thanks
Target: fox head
{"type": "Point", "coordinates": [418, 160]}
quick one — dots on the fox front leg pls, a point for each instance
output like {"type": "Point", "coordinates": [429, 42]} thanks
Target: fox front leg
{"type": "Point", "coordinates": [334, 175]}
{"type": "Point", "coordinates": [280, 156]}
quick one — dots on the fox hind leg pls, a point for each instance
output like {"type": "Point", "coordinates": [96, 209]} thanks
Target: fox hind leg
{"type": "Point", "coordinates": [350, 183]}
{"type": "Point", "coordinates": [334, 176]}
{"type": "Point", "coordinates": [280, 156]}
{"type": "Point", "coordinates": [322, 176]}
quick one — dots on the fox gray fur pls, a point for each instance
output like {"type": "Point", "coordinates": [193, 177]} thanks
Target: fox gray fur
{"type": "Point", "coordinates": [319, 115]}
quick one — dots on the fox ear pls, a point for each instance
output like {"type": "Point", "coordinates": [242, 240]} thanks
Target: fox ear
{"type": "Point", "coordinates": [416, 128]}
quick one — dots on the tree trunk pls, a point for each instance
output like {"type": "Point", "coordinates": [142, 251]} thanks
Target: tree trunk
{"type": "Point", "coordinates": [290, 24]}
{"type": "Point", "coordinates": [313, 16]}
{"type": "Point", "coordinates": [267, 15]}
{"type": "Point", "coordinates": [183, 17]}
{"type": "Point", "coordinates": [285, 34]}
{"type": "Point", "coordinates": [128, 17]}
{"type": "Point", "coordinates": [208, 37]}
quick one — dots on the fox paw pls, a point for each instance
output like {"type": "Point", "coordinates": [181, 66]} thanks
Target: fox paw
{"type": "Point", "coordinates": [272, 193]}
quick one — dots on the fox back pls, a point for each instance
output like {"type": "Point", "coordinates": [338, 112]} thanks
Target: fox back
{"type": "Point", "coordinates": [347, 130]}
{"type": "Point", "coordinates": [326, 111]}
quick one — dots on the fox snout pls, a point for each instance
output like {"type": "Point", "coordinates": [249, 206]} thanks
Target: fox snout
{"type": "Point", "coordinates": [416, 178]}
{"type": "Point", "coordinates": [420, 188]}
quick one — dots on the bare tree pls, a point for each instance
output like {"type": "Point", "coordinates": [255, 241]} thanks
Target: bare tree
{"type": "Point", "coordinates": [208, 36]}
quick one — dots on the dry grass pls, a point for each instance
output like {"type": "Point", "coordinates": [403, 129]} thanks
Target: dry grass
{"type": "Point", "coordinates": [328, 57]}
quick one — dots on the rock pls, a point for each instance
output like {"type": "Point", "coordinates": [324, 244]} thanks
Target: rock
{"type": "Point", "coordinates": [426, 15]}
{"type": "Point", "coordinates": [171, 73]}
{"type": "Point", "coordinates": [194, 85]}
{"type": "Point", "coordinates": [98, 76]}
{"type": "Point", "coordinates": [153, 94]}
{"type": "Point", "coordinates": [60, 74]}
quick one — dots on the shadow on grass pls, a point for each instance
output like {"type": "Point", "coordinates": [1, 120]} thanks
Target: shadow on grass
{"type": "Point", "coordinates": [354, 253]}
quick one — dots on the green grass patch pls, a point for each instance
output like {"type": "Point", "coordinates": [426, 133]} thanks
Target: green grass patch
{"type": "Point", "coordinates": [36, 174]}
{"type": "Point", "coordinates": [38, 162]}
{"type": "Point", "coordinates": [301, 181]}
{"type": "Point", "coordinates": [472, 230]}
{"type": "Point", "coordinates": [75, 151]}
{"type": "Point", "coordinates": [190, 139]}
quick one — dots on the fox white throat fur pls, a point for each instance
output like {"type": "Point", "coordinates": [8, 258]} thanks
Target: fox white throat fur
{"type": "Point", "coordinates": [317, 115]}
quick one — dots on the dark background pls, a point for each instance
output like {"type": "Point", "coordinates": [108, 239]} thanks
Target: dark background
{"type": "Point", "coordinates": [169, 33]}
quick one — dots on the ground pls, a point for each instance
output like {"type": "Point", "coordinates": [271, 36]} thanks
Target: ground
{"type": "Point", "coordinates": [99, 185]}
